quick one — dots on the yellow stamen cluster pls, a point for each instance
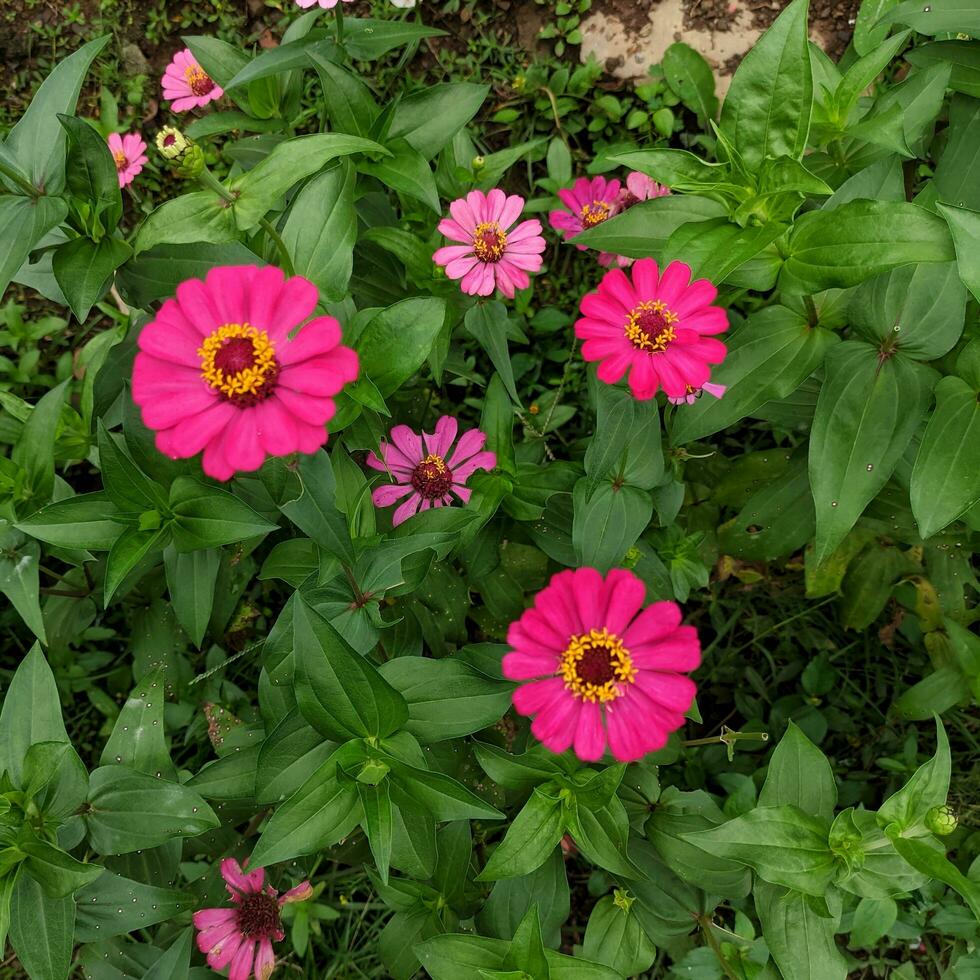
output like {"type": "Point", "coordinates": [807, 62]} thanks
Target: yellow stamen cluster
{"type": "Point", "coordinates": [120, 157]}
{"type": "Point", "coordinates": [436, 461]}
{"type": "Point", "coordinates": [248, 381]}
{"type": "Point", "coordinates": [595, 664]}
{"type": "Point", "coordinates": [198, 79]}
{"type": "Point", "coordinates": [489, 241]}
{"type": "Point", "coordinates": [594, 214]}
{"type": "Point", "coordinates": [649, 326]}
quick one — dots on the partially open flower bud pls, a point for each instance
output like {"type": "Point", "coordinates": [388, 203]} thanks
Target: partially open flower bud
{"type": "Point", "coordinates": [191, 164]}
{"type": "Point", "coordinates": [941, 820]}
{"type": "Point", "coordinates": [171, 142]}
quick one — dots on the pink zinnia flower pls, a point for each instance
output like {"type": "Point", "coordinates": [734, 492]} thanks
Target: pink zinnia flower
{"type": "Point", "coordinates": [424, 471]}
{"type": "Point", "coordinates": [243, 936]}
{"type": "Point", "coordinates": [656, 326]}
{"type": "Point", "coordinates": [187, 84]}
{"type": "Point", "coordinates": [589, 203]}
{"type": "Point", "coordinates": [494, 254]}
{"type": "Point", "coordinates": [639, 187]}
{"type": "Point", "coordinates": [693, 394]}
{"type": "Point", "coordinates": [129, 154]}
{"type": "Point", "coordinates": [217, 370]}
{"type": "Point", "coordinates": [600, 670]}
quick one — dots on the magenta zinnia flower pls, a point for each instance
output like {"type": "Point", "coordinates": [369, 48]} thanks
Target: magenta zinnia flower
{"type": "Point", "coordinates": [187, 84]}
{"type": "Point", "coordinates": [589, 203]}
{"type": "Point", "coordinates": [600, 670]}
{"type": "Point", "coordinates": [243, 936]}
{"type": "Point", "coordinates": [656, 326]}
{"type": "Point", "coordinates": [693, 394]}
{"type": "Point", "coordinates": [217, 370]}
{"type": "Point", "coordinates": [494, 254]}
{"type": "Point", "coordinates": [424, 471]}
{"type": "Point", "coordinates": [129, 154]}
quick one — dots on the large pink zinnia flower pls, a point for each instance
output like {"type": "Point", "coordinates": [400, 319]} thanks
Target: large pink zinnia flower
{"type": "Point", "coordinates": [129, 154]}
{"type": "Point", "coordinates": [424, 471]}
{"type": "Point", "coordinates": [187, 84]}
{"type": "Point", "coordinates": [494, 254]}
{"type": "Point", "coordinates": [656, 326]}
{"type": "Point", "coordinates": [243, 936]}
{"type": "Point", "coordinates": [217, 370]}
{"type": "Point", "coordinates": [599, 669]}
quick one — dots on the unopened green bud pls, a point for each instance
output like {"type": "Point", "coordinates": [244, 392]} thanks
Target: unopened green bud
{"type": "Point", "coordinates": [191, 164]}
{"type": "Point", "coordinates": [631, 558]}
{"type": "Point", "coordinates": [171, 142]}
{"type": "Point", "coordinates": [478, 163]}
{"type": "Point", "coordinates": [941, 820]}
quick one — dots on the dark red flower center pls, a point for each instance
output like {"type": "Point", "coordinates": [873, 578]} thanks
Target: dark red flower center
{"type": "Point", "coordinates": [239, 362]}
{"type": "Point", "coordinates": [198, 79]}
{"type": "Point", "coordinates": [594, 213]}
{"type": "Point", "coordinates": [235, 355]}
{"type": "Point", "coordinates": [169, 139]}
{"type": "Point", "coordinates": [432, 478]}
{"type": "Point", "coordinates": [258, 916]}
{"type": "Point", "coordinates": [596, 666]}
{"type": "Point", "coordinates": [650, 326]}
{"type": "Point", "coordinates": [489, 241]}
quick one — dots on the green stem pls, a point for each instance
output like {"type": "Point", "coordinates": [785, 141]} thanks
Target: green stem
{"type": "Point", "coordinates": [212, 183]}
{"type": "Point", "coordinates": [727, 737]}
{"type": "Point", "coordinates": [812, 317]}
{"type": "Point", "coordinates": [19, 180]}
{"type": "Point", "coordinates": [705, 923]}
{"type": "Point", "coordinates": [270, 229]}
{"type": "Point", "coordinates": [339, 14]}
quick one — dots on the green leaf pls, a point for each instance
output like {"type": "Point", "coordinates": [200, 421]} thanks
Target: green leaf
{"type": "Point", "coordinates": [601, 834]}
{"type": "Point", "coordinates": [693, 82]}
{"type": "Point", "coordinates": [428, 119]}
{"type": "Point", "coordinates": [940, 17]}
{"type": "Point", "coordinates": [766, 112]}
{"type": "Point", "coordinates": [340, 693]}
{"type": "Point", "coordinates": [497, 422]}
{"type": "Point", "coordinates": [873, 917]}
{"type": "Point", "coordinates": [230, 777]}
{"type": "Point", "coordinates": [126, 553]}
{"type": "Point", "coordinates": [488, 322]}
{"type": "Point", "coordinates": [41, 930]}
{"type": "Point", "coordinates": [869, 32]}
{"type": "Point", "coordinates": [938, 866]}
{"type": "Point", "coordinates": [125, 483]}
{"type": "Point", "coordinates": [446, 698]}
{"type": "Point", "coordinates": [24, 221]}
{"type": "Point", "coordinates": [715, 249]}
{"type": "Point", "coordinates": [679, 170]}
{"type": "Point", "coordinates": [928, 787]}
{"type": "Point", "coordinates": [84, 269]}
{"type": "Point", "coordinates": [800, 774]}
{"type": "Point", "coordinates": [85, 521]}
{"type": "Point", "coordinates": [867, 411]}
{"type": "Point", "coordinates": [964, 225]}
{"type": "Point", "coordinates": [59, 874]}
{"type": "Point", "coordinates": [782, 844]}
{"type": "Point", "coordinates": [800, 940]}
{"type": "Point", "coordinates": [366, 39]}
{"type": "Point", "coordinates": [19, 564]}
{"type": "Point", "coordinates": [395, 342]}
{"type": "Point", "coordinates": [959, 162]}
{"type": "Point", "coordinates": [963, 57]}
{"type": "Point", "coordinates": [201, 216]}
{"type": "Point", "coordinates": [37, 142]}
{"type": "Point", "coordinates": [408, 172]}
{"type": "Point", "coordinates": [114, 905]}
{"type": "Point", "coordinates": [137, 739]}
{"type": "Point", "coordinates": [863, 72]}
{"type": "Point", "coordinates": [91, 171]}
{"type": "Point", "coordinates": [315, 511]}
{"type": "Point", "coordinates": [129, 810]}
{"type": "Point", "coordinates": [376, 803]}
{"type": "Point", "coordinates": [615, 937]}
{"type": "Point", "coordinates": [530, 840]}
{"type": "Point", "coordinates": [437, 793]}
{"type": "Point", "coordinates": [206, 517]}
{"type": "Point", "coordinates": [176, 961]}
{"type": "Point", "coordinates": [946, 476]}
{"type": "Point", "coordinates": [190, 580]}
{"type": "Point", "coordinates": [321, 230]}
{"type": "Point", "coordinates": [608, 522]}
{"type": "Point", "coordinates": [512, 897]}
{"type": "Point", "coordinates": [346, 99]}
{"type": "Point", "coordinates": [35, 449]}
{"type": "Point", "coordinates": [860, 239]}
{"type": "Point", "coordinates": [31, 713]}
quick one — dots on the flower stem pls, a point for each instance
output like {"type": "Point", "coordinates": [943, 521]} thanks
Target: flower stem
{"type": "Point", "coordinates": [287, 263]}
{"type": "Point", "coordinates": [339, 14]}
{"type": "Point", "coordinates": [812, 316]}
{"type": "Point", "coordinates": [212, 183]}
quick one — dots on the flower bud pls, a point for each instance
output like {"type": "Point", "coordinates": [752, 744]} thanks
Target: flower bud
{"type": "Point", "coordinates": [191, 164]}
{"type": "Point", "coordinates": [478, 163]}
{"type": "Point", "coordinates": [172, 143]}
{"type": "Point", "coordinates": [941, 820]}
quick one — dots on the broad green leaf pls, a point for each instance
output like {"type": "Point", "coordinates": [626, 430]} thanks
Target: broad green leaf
{"type": "Point", "coordinates": [190, 581]}
{"type": "Point", "coordinates": [615, 937]}
{"type": "Point", "coordinates": [437, 793]}
{"type": "Point", "coordinates": [24, 221]}
{"type": "Point", "coordinates": [339, 692]}
{"type": "Point", "coordinates": [608, 522]}
{"type": "Point", "coordinates": [935, 694]}
{"type": "Point", "coordinates": [601, 834]}
{"type": "Point", "coordinates": [860, 239]}
{"type": "Point", "coordinates": [869, 31]}
{"type": "Point", "coordinates": [321, 230]}
{"type": "Point", "coordinates": [955, 179]}
{"type": "Point", "coordinates": [488, 322]}
{"type": "Point", "coordinates": [868, 409]}
{"type": "Point", "coordinates": [315, 511]}
{"type": "Point", "coordinates": [91, 172]}
{"type": "Point", "coordinates": [347, 101]}
{"type": "Point", "coordinates": [429, 118]}
{"type": "Point", "coordinates": [937, 865]}
{"type": "Point", "coordinates": [35, 449]}
{"type": "Point", "coordinates": [377, 823]}
{"type": "Point", "coordinates": [114, 905]}
{"type": "Point", "coordinates": [126, 485]}
{"type": "Point", "coordinates": [679, 170]}
{"type": "Point", "coordinates": [946, 476]}
{"type": "Point", "coordinates": [693, 82]}
{"type": "Point", "coordinates": [715, 249]}
{"type": "Point", "coordinates": [137, 739]}
{"type": "Point", "coordinates": [290, 754]}
{"type": "Point", "coordinates": [497, 422]}
{"type": "Point", "coordinates": [963, 57]}
{"type": "Point", "coordinates": [964, 225]}
{"type": "Point", "coordinates": [176, 961]}
{"type": "Point", "coordinates": [37, 142]}
{"type": "Point", "coordinates": [927, 788]}
{"type": "Point", "coordinates": [205, 516]}
{"type": "Point", "coordinates": [84, 269]}
{"type": "Point", "coordinates": [85, 521]}
{"type": "Point", "coordinates": [530, 839]}
{"type": "Point", "coordinates": [782, 844]}
{"type": "Point", "coordinates": [937, 17]}
{"type": "Point", "coordinates": [126, 554]}
{"type": "Point", "coordinates": [230, 777]}
{"type": "Point", "coordinates": [873, 917]}
{"type": "Point", "coordinates": [862, 73]}
{"type": "Point", "coordinates": [19, 581]}
{"type": "Point", "coordinates": [769, 357]}
{"type": "Point", "coordinates": [366, 39]}
{"type": "Point", "coordinates": [800, 774]}
{"type": "Point", "coordinates": [41, 930]}
{"type": "Point", "coordinates": [200, 216]}
{"type": "Point", "coordinates": [59, 874]}
{"type": "Point", "coordinates": [882, 181]}
{"type": "Point", "coordinates": [766, 112]}
{"type": "Point", "coordinates": [406, 171]}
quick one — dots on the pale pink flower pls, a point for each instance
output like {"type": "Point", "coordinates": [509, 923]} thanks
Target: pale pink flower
{"type": "Point", "coordinates": [494, 255]}
{"type": "Point", "coordinates": [599, 668]}
{"type": "Point", "coordinates": [241, 937]}
{"type": "Point", "coordinates": [693, 394]}
{"type": "Point", "coordinates": [187, 84]}
{"type": "Point", "coordinates": [129, 155]}
{"type": "Point", "coordinates": [426, 474]}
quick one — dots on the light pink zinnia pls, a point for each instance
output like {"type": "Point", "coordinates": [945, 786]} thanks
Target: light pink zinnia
{"type": "Point", "coordinates": [656, 326]}
{"type": "Point", "coordinates": [599, 670]}
{"type": "Point", "coordinates": [693, 394]}
{"type": "Point", "coordinates": [129, 154]}
{"type": "Point", "coordinates": [243, 936]}
{"type": "Point", "coordinates": [424, 471]}
{"type": "Point", "coordinates": [494, 254]}
{"type": "Point", "coordinates": [217, 370]}
{"type": "Point", "coordinates": [187, 84]}
{"type": "Point", "coordinates": [639, 187]}
{"type": "Point", "coordinates": [589, 203]}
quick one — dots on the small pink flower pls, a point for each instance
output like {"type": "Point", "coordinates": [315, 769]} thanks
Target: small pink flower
{"type": "Point", "coordinates": [424, 471]}
{"type": "Point", "coordinates": [243, 936]}
{"type": "Point", "coordinates": [693, 394]}
{"type": "Point", "coordinates": [639, 187]}
{"type": "Point", "coordinates": [325, 4]}
{"type": "Point", "coordinates": [589, 203]}
{"type": "Point", "coordinates": [656, 326]}
{"type": "Point", "coordinates": [598, 669]}
{"type": "Point", "coordinates": [494, 255]}
{"type": "Point", "coordinates": [218, 371]}
{"type": "Point", "coordinates": [187, 84]}
{"type": "Point", "coordinates": [129, 154]}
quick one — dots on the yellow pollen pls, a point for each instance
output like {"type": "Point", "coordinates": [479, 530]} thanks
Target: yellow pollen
{"type": "Point", "coordinates": [650, 326]}
{"type": "Point", "coordinates": [250, 379]}
{"type": "Point", "coordinates": [594, 213]}
{"type": "Point", "coordinates": [120, 157]}
{"type": "Point", "coordinates": [595, 665]}
{"type": "Point", "coordinates": [489, 241]}
{"type": "Point", "coordinates": [198, 79]}
{"type": "Point", "coordinates": [437, 461]}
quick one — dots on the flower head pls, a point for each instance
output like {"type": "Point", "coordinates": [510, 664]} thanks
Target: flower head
{"type": "Point", "coordinates": [217, 370]}
{"type": "Point", "coordinates": [171, 142]}
{"type": "Point", "coordinates": [129, 154]}
{"type": "Point", "coordinates": [425, 472]}
{"type": "Point", "coordinates": [187, 84]}
{"type": "Point", "coordinates": [693, 394]}
{"type": "Point", "coordinates": [598, 669]}
{"type": "Point", "coordinates": [242, 936]}
{"type": "Point", "coordinates": [588, 203]}
{"type": "Point", "coordinates": [494, 255]}
{"type": "Point", "coordinates": [656, 326]}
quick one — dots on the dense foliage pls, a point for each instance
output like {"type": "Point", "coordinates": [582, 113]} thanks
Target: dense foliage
{"type": "Point", "coordinates": [238, 652]}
